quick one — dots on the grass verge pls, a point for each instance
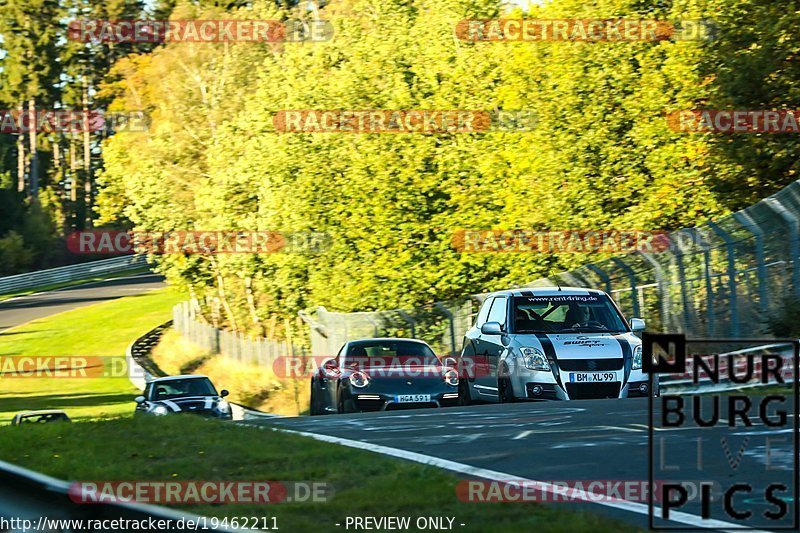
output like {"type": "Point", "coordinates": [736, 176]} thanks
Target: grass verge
{"type": "Point", "coordinates": [186, 448]}
{"type": "Point", "coordinates": [251, 385]}
{"type": "Point", "coordinates": [75, 283]}
{"type": "Point", "coordinates": [102, 330]}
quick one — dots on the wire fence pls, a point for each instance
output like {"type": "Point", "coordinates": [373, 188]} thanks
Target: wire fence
{"type": "Point", "coordinates": [189, 322]}
{"type": "Point", "coordinates": [721, 279]}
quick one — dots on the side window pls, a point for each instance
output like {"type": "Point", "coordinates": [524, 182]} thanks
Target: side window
{"type": "Point", "coordinates": [484, 312]}
{"type": "Point", "coordinates": [498, 311]}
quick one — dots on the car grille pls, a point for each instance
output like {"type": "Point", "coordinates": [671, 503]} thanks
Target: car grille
{"type": "Point", "coordinates": [369, 405]}
{"type": "Point", "coordinates": [589, 365]}
{"type": "Point", "coordinates": [590, 391]}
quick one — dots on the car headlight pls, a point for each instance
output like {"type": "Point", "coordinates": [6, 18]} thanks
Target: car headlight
{"type": "Point", "coordinates": [359, 379]}
{"type": "Point", "coordinates": [637, 357]}
{"type": "Point", "coordinates": [160, 410]}
{"type": "Point", "coordinates": [534, 359]}
{"type": "Point", "coordinates": [451, 378]}
{"type": "Point", "coordinates": [223, 406]}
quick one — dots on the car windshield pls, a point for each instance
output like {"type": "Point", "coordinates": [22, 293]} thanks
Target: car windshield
{"type": "Point", "coordinates": [593, 313]}
{"type": "Point", "coordinates": [43, 418]}
{"type": "Point", "coordinates": [387, 353]}
{"type": "Point", "coordinates": [177, 388]}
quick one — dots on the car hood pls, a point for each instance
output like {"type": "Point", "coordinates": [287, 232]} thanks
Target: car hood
{"type": "Point", "coordinates": [580, 345]}
{"type": "Point", "coordinates": [190, 403]}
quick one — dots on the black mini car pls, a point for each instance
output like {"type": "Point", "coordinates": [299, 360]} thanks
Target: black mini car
{"type": "Point", "coordinates": [183, 395]}
{"type": "Point", "coordinates": [383, 375]}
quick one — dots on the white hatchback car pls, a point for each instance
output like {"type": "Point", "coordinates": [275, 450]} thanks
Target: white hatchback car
{"type": "Point", "coordinates": [551, 343]}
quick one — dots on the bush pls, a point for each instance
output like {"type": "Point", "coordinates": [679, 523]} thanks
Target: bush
{"type": "Point", "coordinates": [15, 257]}
{"type": "Point", "coordinates": [785, 322]}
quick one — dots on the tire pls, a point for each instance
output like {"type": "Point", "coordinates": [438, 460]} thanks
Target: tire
{"type": "Point", "coordinates": [464, 396]}
{"type": "Point", "coordinates": [313, 409]}
{"type": "Point", "coordinates": [505, 391]}
{"type": "Point", "coordinates": [340, 405]}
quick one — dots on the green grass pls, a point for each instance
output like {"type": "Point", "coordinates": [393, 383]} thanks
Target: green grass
{"type": "Point", "coordinates": [102, 330]}
{"type": "Point", "coordinates": [187, 448]}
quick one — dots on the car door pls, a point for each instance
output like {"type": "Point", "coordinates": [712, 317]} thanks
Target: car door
{"type": "Point", "coordinates": [328, 383]}
{"type": "Point", "coordinates": [471, 345]}
{"type": "Point", "coordinates": [492, 347]}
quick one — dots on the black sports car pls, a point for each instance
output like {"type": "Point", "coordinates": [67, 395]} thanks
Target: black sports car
{"type": "Point", "coordinates": [183, 394]}
{"type": "Point", "coordinates": [382, 375]}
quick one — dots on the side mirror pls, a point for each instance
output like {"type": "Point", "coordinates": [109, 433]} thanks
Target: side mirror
{"type": "Point", "coordinates": [223, 393]}
{"type": "Point", "coordinates": [139, 399]}
{"type": "Point", "coordinates": [329, 368]}
{"type": "Point", "coordinates": [449, 362]}
{"type": "Point", "coordinates": [637, 324]}
{"type": "Point", "coordinates": [492, 328]}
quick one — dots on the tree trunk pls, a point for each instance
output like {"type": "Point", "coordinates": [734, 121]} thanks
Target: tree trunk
{"type": "Point", "coordinates": [57, 162]}
{"type": "Point", "coordinates": [87, 158]}
{"type": "Point", "coordinates": [73, 172]}
{"type": "Point", "coordinates": [34, 178]}
{"type": "Point", "coordinates": [20, 155]}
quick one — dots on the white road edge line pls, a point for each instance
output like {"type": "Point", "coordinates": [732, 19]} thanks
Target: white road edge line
{"type": "Point", "coordinates": [634, 507]}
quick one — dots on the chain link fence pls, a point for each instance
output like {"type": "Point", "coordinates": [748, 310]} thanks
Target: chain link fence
{"type": "Point", "coordinates": [189, 322]}
{"type": "Point", "coordinates": [720, 279]}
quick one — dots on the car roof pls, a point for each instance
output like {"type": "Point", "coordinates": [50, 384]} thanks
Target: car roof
{"type": "Point", "coordinates": [42, 412]}
{"type": "Point", "coordinates": [547, 291]}
{"type": "Point", "coordinates": [373, 339]}
{"type": "Point", "coordinates": [182, 376]}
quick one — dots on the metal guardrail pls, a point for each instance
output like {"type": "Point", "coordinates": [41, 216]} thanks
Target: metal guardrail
{"type": "Point", "coordinates": [66, 274]}
{"type": "Point", "coordinates": [43, 500]}
{"type": "Point", "coordinates": [142, 369]}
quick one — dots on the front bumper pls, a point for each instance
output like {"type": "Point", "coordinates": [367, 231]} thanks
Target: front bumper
{"type": "Point", "coordinates": [367, 401]}
{"type": "Point", "coordinates": [544, 385]}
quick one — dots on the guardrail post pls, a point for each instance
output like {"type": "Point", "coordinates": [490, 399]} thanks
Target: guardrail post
{"type": "Point", "coordinates": [663, 293]}
{"type": "Point", "coordinates": [793, 225]}
{"type": "Point", "coordinates": [452, 321]}
{"type": "Point", "coordinates": [731, 251]}
{"type": "Point", "coordinates": [748, 223]}
{"type": "Point", "coordinates": [602, 274]}
{"type": "Point", "coordinates": [678, 253]}
{"type": "Point", "coordinates": [632, 279]}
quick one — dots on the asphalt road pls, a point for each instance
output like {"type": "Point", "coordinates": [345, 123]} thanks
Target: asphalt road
{"type": "Point", "coordinates": [584, 440]}
{"type": "Point", "coordinates": [21, 309]}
